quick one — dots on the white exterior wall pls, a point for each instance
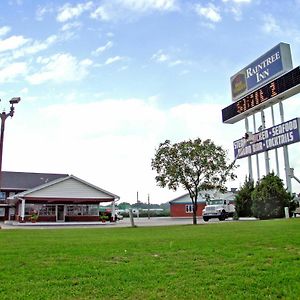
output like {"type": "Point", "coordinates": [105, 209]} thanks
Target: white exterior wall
{"type": "Point", "coordinates": [186, 198]}
{"type": "Point", "coordinates": [69, 188]}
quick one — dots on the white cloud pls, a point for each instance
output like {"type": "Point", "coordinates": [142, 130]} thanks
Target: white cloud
{"type": "Point", "coordinates": [126, 124]}
{"type": "Point", "coordinates": [42, 11]}
{"type": "Point", "coordinates": [19, 46]}
{"type": "Point", "coordinates": [103, 48]}
{"type": "Point", "coordinates": [235, 7]}
{"type": "Point", "coordinates": [160, 56]}
{"type": "Point", "coordinates": [238, 1]}
{"type": "Point", "coordinates": [119, 137]}
{"type": "Point", "coordinates": [60, 68]}
{"type": "Point", "coordinates": [270, 25]}
{"type": "Point", "coordinates": [35, 47]}
{"type": "Point", "coordinates": [210, 12]}
{"type": "Point", "coordinates": [116, 9]}
{"type": "Point", "coordinates": [15, 2]}
{"type": "Point", "coordinates": [146, 5]}
{"type": "Point", "coordinates": [68, 11]}
{"type": "Point", "coordinates": [237, 13]}
{"type": "Point", "coordinates": [70, 26]}
{"type": "Point", "coordinates": [24, 91]}
{"type": "Point", "coordinates": [102, 13]}
{"type": "Point", "coordinates": [115, 134]}
{"type": "Point", "coordinates": [13, 42]}
{"type": "Point", "coordinates": [114, 59]}
{"type": "Point", "coordinates": [4, 30]}
{"type": "Point", "coordinates": [176, 63]}
{"type": "Point", "coordinates": [110, 34]}
{"type": "Point", "coordinates": [284, 31]}
{"type": "Point", "coordinates": [12, 71]}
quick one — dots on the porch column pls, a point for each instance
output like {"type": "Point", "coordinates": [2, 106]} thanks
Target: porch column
{"type": "Point", "coordinates": [22, 209]}
{"type": "Point", "coordinates": [113, 210]}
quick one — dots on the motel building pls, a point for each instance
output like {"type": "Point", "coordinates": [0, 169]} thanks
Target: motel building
{"type": "Point", "coordinates": [43, 197]}
{"type": "Point", "coordinates": [182, 206]}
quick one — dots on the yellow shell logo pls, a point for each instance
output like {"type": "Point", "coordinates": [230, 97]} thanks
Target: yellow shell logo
{"type": "Point", "coordinates": [238, 84]}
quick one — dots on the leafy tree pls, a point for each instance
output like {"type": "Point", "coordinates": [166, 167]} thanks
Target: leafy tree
{"type": "Point", "coordinates": [270, 197]}
{"type": "Point", "coordinates": [194, 165]}
{"type": "Point", "coordinates": [165, 206]}
{"type": "Point", "coordinates": [243, 200]}
{"type": "Point", "coordinates": [124, 205]}
{"type": "Point", "coordinates": [142, 205]}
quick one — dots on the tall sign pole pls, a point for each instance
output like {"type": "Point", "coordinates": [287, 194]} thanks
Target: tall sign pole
{"type": "Point", "coordinates": [276, 150]}
{"type": "Point", "coordinates": [267, 159]}
{"type": "Point", "coordinates": [256, 155]}
{"type": "Point", "coordinates": [249, 157]}
{"type": "Point", "coordinates": [286, 155]}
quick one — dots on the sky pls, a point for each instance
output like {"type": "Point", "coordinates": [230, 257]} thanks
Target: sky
{"type": "Point", "coordinates": [103, 82]}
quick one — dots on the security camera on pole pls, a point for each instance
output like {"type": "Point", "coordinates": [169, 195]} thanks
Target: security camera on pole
{"type": "Point", "coordinates": [4, 116]}
{"type": "Point", "coordinates": [247, 139]}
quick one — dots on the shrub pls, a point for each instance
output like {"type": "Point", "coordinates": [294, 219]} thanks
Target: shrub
{"type": "Point", "coordinates": [243, 200]}
{"type": "Point", "coordinates": [270, 197]}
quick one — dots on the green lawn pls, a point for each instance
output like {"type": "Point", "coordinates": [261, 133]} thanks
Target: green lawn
{"type": "Point", "coordinates": [238, 260]}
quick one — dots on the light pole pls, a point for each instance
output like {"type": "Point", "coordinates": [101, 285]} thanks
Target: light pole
{"type": "Point", "coordinates": [4, 116]}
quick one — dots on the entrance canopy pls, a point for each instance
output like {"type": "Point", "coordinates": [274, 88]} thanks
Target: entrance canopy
{"type": "Point", "coordinates": [68, 189]}
{"type": "Point", "coordinates": [65, 199]}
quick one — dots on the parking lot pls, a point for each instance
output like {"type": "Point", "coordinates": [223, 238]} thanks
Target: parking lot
{"type": "Point", "coordinates": [139, 222]}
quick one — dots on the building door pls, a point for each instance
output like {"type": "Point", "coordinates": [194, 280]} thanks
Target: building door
{"type": "Point", "coordinates": [60, 213]}
{"type": "Point", "coordinates": [11, 213]}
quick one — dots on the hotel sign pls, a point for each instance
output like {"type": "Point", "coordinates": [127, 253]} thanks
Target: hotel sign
{"type": "Point", "coordinates": [269, 94]}
{"type": "Point", "coordinates": [275, 62]}
{"type": "Point", "coordinates": [274, 137]}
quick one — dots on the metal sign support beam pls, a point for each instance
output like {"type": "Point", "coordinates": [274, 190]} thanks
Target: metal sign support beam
{"type": "Point", "coordinates": [256, 155]}
{"type": "Point", "coordinates": [267, 159]}
{"type": "Point", "coordinates": [276, 150]}
{"type": "Point", "coordinates": [286, 155]}
{"type": "Point", "coordinates": [249, 157]}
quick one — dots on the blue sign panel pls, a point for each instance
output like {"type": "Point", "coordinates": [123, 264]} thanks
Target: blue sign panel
{"type": "Point", "coordinates": [268, 65]}
{"type": "Point", "coordinates": [274, 137]}
{"type": "Point", "coordinates": [273, 63]}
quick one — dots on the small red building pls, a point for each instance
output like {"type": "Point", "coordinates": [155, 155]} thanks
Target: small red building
{"type": "Point", "coordinates": [182, 206]}
{"type": "Point", "coordinates": [51, 198]}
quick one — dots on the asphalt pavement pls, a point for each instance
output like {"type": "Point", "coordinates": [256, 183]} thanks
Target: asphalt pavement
{"type": "Point", "coordinates": [139, 222]}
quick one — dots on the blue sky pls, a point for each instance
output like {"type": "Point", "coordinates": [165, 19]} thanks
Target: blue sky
{"type": "Point", "coordinates": [104, 82]}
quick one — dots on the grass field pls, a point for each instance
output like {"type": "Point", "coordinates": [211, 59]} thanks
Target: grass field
{"type": "Point", "coordinates": [229, 260]}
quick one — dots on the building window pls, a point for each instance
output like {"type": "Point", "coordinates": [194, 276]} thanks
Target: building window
{"type": "Point", "coordinates": [30, 208]}
{"type": "Point", "coordinates": [83, 210]}
{"type": "Point", "coordinates": [93, 210]}
{"type": "Point", "coordinates": [2, 211]}
{"type": "Point", "coordinates": [47, 210]}
{"type": "Point", "coordinates": [2, 196]}
{"type": "Point", "coordinates": [189, 208]}
{"type": "Point", "coordinates": [40, 209]}
{"type": "Point", "coordinates": [72, 210]}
